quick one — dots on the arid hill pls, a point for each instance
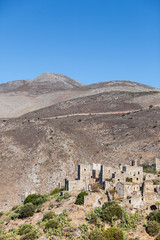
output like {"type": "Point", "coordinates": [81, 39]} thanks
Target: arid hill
{"type": "Point", "coordinates": [108, 122]}
{"type": "Point", "coordinates": [20, 97]}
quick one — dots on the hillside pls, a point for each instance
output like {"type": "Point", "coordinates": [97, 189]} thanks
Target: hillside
{"type": "Point", "coordinates": [20, 97]}
{"type": "Point", "coordinates": [70, 221]}
{"type": "Point", "coordinates": [41, 148]}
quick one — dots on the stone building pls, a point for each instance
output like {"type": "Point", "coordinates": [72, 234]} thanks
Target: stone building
{"type": "Point", "coordinates": [134, 172]}
{"type": "Point", "coordinates": [126, 181]}
{"type": "Point", "coordinates": [87, 175]}
{"type": "Point", "coordinates": [128, 189]}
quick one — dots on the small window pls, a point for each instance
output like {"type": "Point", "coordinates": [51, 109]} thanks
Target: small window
{"type": "Point", "coordinates": [118, 179]}
{"type": "Point", "coordinates": [130, 201]}
{"type": "Point", "coordinates": [138, 172]}
{"type": "Point", "coordinates": [84, 169]}
{"type": "Point", "coordinates": [137, 179]}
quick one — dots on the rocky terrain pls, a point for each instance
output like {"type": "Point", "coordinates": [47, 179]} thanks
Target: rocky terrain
{"type": "Point", "coordinates": [74, 221]}
{"type": "Point", "coordinates": [20, 97]}
{"type": "Point", "coordinates": [52, 123]}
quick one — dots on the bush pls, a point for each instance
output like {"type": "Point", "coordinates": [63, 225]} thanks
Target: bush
{"type": "Point", "coordinates": [32, 235]}
{"type": "Point", "coordinates": [36, 199]}
{"type": "Point", "coordinates": [113, 234]}
{"type": "Point", "coordinates": [80, 198]}
{"type": "Point", "coordinates": [129, 221]}
{"type": "Point", "coordinates": [154, 216]}
{"type": "Point", "coordinates": [111, 211]}
{"type": "Point", "coordinates": [15, 207]}
{"type": "Point", "coordinates": [23, 229]}
{"type": "Point", "coordinates": [52, 223]}
{"type": "Point", "coordinates": [149, 168]}
{"type": "Point", "coordinates": [14, 216]}
{"type": "Point", "coordinates": [48, 215]}
{"type": "Point", "coordinates": [156, 182]}
{"type": "Point", "coordinates": [27, 210]}
{"type": "Point", "coordinates": [152, 228]}
{"type": "Point", "coordinates": [128, 179]}
{"type": "Point", "coordinates": [96, 234]}
{"type": "Point", "coordinates": [65, 196]}
{"type": "Point", "coordinates": [55, 191]}
{"type": "Point", "coordinates": [94, 216]}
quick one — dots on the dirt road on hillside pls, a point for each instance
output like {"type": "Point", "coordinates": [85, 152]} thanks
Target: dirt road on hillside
{"type": "Point", "coordinates": [92, 114]}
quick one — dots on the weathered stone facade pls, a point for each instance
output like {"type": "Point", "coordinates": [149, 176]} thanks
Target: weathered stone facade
{"type": "Point", "coordinates": [125, 181]}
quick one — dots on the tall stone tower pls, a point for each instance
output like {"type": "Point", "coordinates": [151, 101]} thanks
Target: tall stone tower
{"type": "Point", "coordinates": [134, 163]}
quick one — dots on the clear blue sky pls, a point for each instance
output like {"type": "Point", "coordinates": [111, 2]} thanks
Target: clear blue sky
{"type": "Point", "coordinates": [88, 40]}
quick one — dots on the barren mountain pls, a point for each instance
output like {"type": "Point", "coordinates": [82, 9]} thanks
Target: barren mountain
{"type": "Point", "coordinates": [108, 122]}
{"type": "Point", "coordinates": [20, 97]}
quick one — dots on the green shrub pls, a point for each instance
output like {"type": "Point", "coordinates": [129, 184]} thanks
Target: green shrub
{"type": "Point", "coordinates": [94, 216]}
{"type": "Point", "coordinates": [108, 179]}
{"type": "Point", "coordinates": [55, 191]}
{"type": "Point", "coordinates": [15, 207]}
{"type": "Point", "coordinates": [152, 228]}
{"type": "Point", "coordinates": [28, 232]}
{"type": "Point", "coordinates": [154, 216]}
{"type": "Point", "coordinates": [65, 196]}
{"type": "Point", "coordinates": [96, 234]}
{"type": "Point", "coordinates": [84, 228]}
{"type": "Point", "coordinates": [149, 168]}
{"type": "Point", "coordinates": [27, 210]}
{"type": "Point", "coordinates": [111, 211]}
{"type": "Point", "coordinates": [52, 223]}
{"type": "Point", "coordinates": [30, 198]}
{"type": "Point", "coordinates": [14, 216]}
{"type": "Point", "coordinates": [59, 199]}
{"type": "Point", "coordinates": [113, 234]}
{"type": "Point", "coordinates": [156, 182]}
{"type": "Point", "coordinates": [129, 221]}
{"type": "Point", "coordinates": [128, 179]}
{"type": "Point", "coordinates": [48, 215]}
{"type": "Point", "coordinates": [36, 199]}
{"type": "Point", "coordinates": [80, 198]}
{"type": "Point", "coordinates": [23, 229]}
{"type": "Point", "coordinates": [32, 235]}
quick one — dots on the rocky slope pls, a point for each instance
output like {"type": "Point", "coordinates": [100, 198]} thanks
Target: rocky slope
{"type": "Point", "coordinates": [21, 97]}
{"type": "Point", "coordinates": [106, 122]}
{"type": "Point", "coordinates": [41, 148]}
